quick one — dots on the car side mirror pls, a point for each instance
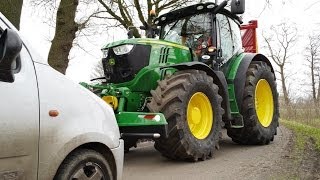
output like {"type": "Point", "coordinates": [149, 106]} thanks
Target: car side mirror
{"type": "Point", "coordinates": [10, 47]}
{"type": "Point", "coordinates": [237, 6]}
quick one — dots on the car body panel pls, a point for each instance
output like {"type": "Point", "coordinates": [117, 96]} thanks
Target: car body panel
{"type": "Point", "coordinates": [19, 136]}
{"type": "Point", "coordinates": [82, 118]}
{"type": "Point", "coordinates": [118, 153]}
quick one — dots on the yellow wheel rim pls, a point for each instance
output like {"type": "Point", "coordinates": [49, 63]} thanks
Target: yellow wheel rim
{"type": "Point", "coordinates": [199, 115]}
{"type": "Point", "coordinates": [264, 102]}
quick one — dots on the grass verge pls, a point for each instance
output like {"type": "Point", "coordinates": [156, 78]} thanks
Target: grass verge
{"type": "Point", "coordinates": [303, 134]}
{"type": "Point", "coordinates": [303, 160]}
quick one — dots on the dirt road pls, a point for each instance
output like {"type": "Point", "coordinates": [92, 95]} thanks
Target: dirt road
{"type": "Point", "coordinates": [232, 161]}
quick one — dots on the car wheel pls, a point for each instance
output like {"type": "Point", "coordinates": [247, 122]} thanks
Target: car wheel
{"type": "Point", "coordinates": [85, 164]}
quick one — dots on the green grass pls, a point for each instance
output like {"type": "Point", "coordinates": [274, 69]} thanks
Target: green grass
{"type": "Point", "coordinates": [306, 143]}
{"type": "Point", "coordinates": [310, 122]}
{"type": "Point", "coordinates": [304, 133]}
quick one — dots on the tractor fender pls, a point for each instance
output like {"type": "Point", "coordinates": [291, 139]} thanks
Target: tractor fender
{"type": "Point", "coordinates": [240, 79]}
{"type": "Point", "coordinates": [218, 78]}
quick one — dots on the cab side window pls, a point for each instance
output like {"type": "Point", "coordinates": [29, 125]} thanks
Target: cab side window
{"type": "Point", "coordinates": [225, 38]}
{"type": "Point", "coordinates": [236, 36]}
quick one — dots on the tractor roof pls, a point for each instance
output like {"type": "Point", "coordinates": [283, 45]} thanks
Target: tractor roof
{"type": "Point", "coordinates": [192, 10]}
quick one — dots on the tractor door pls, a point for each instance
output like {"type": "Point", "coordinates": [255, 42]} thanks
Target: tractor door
{"type": "Point", "coordinates": [229, 38]}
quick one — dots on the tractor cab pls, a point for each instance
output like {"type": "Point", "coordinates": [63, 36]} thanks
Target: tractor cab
{"type": "Point", "coordinates": [207, 29]}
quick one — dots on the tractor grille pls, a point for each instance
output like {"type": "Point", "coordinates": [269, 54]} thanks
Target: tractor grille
{"type": "Point", "coordinates": [123, 68]}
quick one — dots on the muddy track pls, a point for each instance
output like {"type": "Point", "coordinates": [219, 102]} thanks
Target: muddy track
{"type": "Point", "coordinates": [232, 161]}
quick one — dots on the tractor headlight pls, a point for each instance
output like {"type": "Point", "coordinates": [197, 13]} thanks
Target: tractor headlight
{"type": "Point", "coordinates": [123, 49]}
{"type": "Point", "coordinates": [105, 53]}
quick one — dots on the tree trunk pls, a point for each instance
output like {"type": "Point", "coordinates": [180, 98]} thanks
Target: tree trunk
{"type": "Point", "coordinates": [284, 87]}
{"type": "Point", "coordinates": [317, 103]}
{"type": "Point", "coordinates": [313, 82]}
{"type": "Point", "coordinates": [11, 9]}
{"type": "Point", "coordinates": [65, 33]}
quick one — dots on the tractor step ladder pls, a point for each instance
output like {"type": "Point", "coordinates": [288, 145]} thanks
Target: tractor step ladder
{"type": "Point", "coordinates": [250, 45]}
{"type": "Point", "coordinates": [237, 121]}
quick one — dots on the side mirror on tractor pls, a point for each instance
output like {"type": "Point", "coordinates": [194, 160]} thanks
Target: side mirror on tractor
{"type": "Point", "coordinates": [130, 32]}
{"type": "Point", "coordinates": [10, 47]}
{"type": "Point", "coordinates": [151, 29]}
{"type": "Point", "coordinates": [237, 6]}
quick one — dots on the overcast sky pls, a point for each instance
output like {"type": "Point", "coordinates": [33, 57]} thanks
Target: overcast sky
{"type": "Point", "coordinates": [305, 14]}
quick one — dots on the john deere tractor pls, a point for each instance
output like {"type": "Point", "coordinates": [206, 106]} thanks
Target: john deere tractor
{"type": "Point", "coordinates": [182, 88]}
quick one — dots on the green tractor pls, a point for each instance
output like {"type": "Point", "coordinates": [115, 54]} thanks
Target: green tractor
{"type": "Point", "coordinates": [181, 89]}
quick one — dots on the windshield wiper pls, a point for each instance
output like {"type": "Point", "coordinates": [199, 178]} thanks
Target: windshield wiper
{"type": "Point", "coordinates": [174, 25]}
{"type": "Point", "coordinates": [99, 78]}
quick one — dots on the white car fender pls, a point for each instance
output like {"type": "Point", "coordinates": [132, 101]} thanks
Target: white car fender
{"type": "Point", "coordinates": [83, 118]}
{"type": "Point", "coordinates": [55, 159]}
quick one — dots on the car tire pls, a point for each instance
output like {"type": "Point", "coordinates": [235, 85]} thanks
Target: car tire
{"type": "Point", "coordinates": [84, 164]}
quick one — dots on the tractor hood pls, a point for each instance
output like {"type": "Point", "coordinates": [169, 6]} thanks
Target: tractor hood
{"type": "Point", "coordinates": [123, 60]}
{"type": "Point", "coordinates": [145, 41]}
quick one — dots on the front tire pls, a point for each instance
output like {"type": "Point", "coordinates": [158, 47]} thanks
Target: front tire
{"type": "Point", "coordinates": [84, 164]}
{"type": "Point", "coordinates": [260, 107]}
{"type": "Point", "coordinates": [192, 106]}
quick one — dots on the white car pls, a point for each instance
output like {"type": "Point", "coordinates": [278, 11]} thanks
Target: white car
{"type": "Point", "coordinates": [50, 127]}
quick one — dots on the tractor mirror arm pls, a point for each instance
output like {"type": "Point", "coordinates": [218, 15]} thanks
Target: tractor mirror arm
{"type": "Point", "coordinates": [220, 6]}
{"type": "Point", "coordinates": [143, 28]}
{"type": "Point", "coordinates": [151, 30]}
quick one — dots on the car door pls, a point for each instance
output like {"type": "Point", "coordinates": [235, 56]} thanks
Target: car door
{"type": "Point", "coordinates": [19, 120]}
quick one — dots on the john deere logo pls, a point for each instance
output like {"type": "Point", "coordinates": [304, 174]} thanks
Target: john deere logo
{"type": "Point", "coordinates": [112, 62]}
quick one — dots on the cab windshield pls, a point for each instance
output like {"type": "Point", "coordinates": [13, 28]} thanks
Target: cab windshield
{"type": "Point", "coordinates": [194, 31]}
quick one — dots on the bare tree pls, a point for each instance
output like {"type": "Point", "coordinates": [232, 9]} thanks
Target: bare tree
{"type": "Point", "coordinates": [65, 33]}
{"type": "Point", "coordinates": [131, 13]}
{"type": "Point", "coordinates": [313, 58]}
{"type": "Point", "coordinates": [12, 10]}
{"type": "Point", "coordinates": [115, 13]}
{"type": "Point", "coordinates": [312, 5]}
{"type": "Point", "coordinates": [279, 42]}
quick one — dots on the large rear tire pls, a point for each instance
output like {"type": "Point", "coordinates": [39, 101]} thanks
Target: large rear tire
{"type": "Point", "coordinates": [192, 106]}
{"type": "Point", "coordinates": [260, 107]}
